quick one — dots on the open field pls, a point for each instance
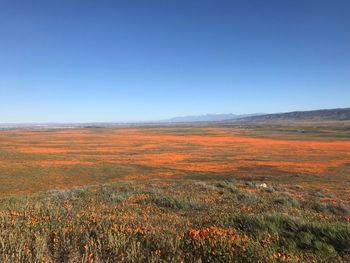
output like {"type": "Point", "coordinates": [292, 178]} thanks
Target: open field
{"type": "Point", "coordinates": [176, 194]}
{"type": "Point", "coordinates": [37, 160]}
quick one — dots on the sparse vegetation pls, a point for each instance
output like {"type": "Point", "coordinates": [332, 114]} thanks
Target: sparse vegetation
{"type": "Point", "coordinates": [169, 221]}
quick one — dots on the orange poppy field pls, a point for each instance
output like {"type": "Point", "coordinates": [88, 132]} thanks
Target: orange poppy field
{"type": "Point", "coordinates": [35, 160]}
{"type": "Point", "coordinates": [175, 194]}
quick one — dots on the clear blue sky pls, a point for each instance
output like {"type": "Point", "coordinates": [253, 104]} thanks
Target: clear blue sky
{"type": "Point", "coordinates": [81, 61]}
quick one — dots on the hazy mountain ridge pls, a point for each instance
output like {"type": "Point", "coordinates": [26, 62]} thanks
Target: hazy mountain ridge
{"type": "Point", "coordinates": [210, 117]}
{"type": "Point", "coordinates": [340, 114]}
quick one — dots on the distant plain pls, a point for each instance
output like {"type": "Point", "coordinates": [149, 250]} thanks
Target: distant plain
{"type": "Point", "coordinates": [311, 155]}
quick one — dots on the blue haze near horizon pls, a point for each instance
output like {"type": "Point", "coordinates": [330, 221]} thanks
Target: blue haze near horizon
{"type": "Point", "coordinates": [88, 61]}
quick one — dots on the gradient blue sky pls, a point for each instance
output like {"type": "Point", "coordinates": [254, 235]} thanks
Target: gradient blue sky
{"type": "Point", "coordinates": [82, 61]}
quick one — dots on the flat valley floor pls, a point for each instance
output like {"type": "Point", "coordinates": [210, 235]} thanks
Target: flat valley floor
{"type": "Point", "coordinates": [38, 160]}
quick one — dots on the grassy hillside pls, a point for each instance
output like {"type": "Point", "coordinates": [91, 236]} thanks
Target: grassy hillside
{"type": "Point", "coordinates": [175, 221]}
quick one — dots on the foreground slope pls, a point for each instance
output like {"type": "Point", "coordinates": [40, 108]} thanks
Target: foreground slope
{"type": "Point", "coordinates": [176, 221]}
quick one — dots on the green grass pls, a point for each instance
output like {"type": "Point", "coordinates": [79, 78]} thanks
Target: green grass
{"type": "Point", "coordinates": [174, 221]}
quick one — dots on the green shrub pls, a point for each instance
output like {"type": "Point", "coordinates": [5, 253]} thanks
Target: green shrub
{"type": "Point", "coordinates": [176, 203]}
{"type": "Point", "coordinates": [337, 209]}
{"type": "Point", "coordinates": [286, 200]}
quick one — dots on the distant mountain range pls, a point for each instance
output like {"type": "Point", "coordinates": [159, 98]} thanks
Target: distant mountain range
{"type": "Point", "coordinates": [210, 117]}
{"type": "Point", "coordinates": [340, 114]}
{"type": "Point", "coordinates": [313, 115]}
